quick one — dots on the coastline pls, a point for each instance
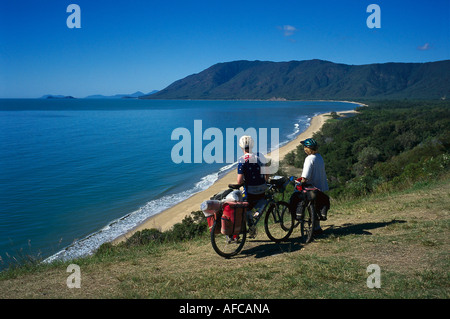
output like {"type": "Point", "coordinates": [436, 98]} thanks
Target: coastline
{"type": "Point", "coordinates": [175, 214]}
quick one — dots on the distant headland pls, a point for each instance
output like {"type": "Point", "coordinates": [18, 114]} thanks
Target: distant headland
{"type": "Point", "coordinates": [49, 97]}
{"type": "Point", "coordinates": [304, 80]}
{"type": "Point", "coordinates": [134, 95]}
{"type": "Point", "coordinates": [312, 80]}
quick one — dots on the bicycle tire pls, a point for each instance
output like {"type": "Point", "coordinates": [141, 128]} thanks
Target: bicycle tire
{"type": "Point", "coordinates": [222, 244]}
{"type": "Point", "coordinates": [307, 224]}
{"type": "Point", "coordinates": [279, 222]}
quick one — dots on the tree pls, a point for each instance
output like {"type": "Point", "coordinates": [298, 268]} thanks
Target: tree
{"type": "Point", "coordinates": [366, 160]}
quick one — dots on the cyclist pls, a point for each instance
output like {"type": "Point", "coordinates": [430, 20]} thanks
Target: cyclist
{"type": "Point", "coordinates": [313, 173]}
{"type": "Point", "coordinates": [249, 174]}
{"type": "Point", "coordinates": [314, 166]}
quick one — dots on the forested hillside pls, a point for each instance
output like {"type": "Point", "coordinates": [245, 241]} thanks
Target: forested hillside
{"type": "Point", "coordinates": [389, 145]}
{"type": "Point", "coordinates": [313, 79]}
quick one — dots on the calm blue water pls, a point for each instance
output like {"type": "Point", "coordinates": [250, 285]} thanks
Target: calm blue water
{"type": "Point", "coordinates": [77, 173]}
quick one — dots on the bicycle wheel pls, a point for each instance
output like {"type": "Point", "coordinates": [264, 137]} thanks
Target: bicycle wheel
{"type": "Point", "coordinates": [279, 222]}
{"type": "Point", "coordinates": [227, 246]}
{"type": "Point", "coordinates": [308, 223]}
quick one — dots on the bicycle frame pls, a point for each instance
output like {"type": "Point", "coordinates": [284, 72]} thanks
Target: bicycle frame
{"type": "Point", "coordinates": [263, 209]}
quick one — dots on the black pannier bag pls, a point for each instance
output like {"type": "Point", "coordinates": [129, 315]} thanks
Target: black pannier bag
{"type": "Point", "coordinates": [322, 204]}
{"type": "Point", "coordinates": [221, 195]}
{"type": "Point", "coordinates": [310, 193]}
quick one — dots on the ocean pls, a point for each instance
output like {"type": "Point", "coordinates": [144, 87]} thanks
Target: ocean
{"type": "Point", "coordinates": [76, 173]}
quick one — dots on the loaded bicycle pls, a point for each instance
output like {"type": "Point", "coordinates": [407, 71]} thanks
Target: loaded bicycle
{"type": "Point", "coordinates": [278, 221]}
{"type": "Point", "coordinates": [311, 206]}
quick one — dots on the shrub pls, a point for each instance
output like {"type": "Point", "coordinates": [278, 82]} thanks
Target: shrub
{"type": "Point", "coordinates": [190, 227]}
{"type": "Point", "coordinates": [388, 145]}
{"type": "Point", "coordinates": [146, 236]}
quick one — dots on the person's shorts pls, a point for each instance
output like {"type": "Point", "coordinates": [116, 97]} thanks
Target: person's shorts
{"type": "Point", "coordinates": [255, 200]}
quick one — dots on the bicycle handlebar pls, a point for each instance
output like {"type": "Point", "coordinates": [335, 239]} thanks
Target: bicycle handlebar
{"type": "Point", "coordinates": [290, 179]}
{"type": "Point", "coordinates": [295, 180]}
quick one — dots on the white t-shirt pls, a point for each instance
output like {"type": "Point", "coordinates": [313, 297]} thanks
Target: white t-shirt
{"type": "Point", "coordinates": [314, 171]}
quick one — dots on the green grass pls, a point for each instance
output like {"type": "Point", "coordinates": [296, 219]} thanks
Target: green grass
{"type": "Point", "coordinates": [405, 233]}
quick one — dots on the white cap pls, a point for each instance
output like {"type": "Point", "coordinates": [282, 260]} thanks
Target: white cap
{"type": "Point", "coordinates": [246, 142]}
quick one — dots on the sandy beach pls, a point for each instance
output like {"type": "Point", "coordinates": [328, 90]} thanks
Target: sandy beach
{"type": "Point", "coordinates": [166, 219]}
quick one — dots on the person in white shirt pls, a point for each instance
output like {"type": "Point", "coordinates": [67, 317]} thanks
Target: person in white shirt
{"type": "Point", "coordinates": [314, 166]}
{"type": "Point", "coordinates": [314, 170]}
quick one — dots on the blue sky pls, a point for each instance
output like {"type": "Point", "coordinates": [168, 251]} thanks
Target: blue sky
{"type": "Point", "coordinates": [126, 46]}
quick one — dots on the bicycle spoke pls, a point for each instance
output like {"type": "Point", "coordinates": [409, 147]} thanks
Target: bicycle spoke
{"type": "Point", "coordinates": [307, 224]}
{"type": "Point", "coordinates": [226, 246]}
{"type": "Point", "coordinates": [279, 222]}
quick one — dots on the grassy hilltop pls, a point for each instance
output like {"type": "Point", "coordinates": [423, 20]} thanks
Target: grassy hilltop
{"type": "Point", "coordinates": [389, 168]}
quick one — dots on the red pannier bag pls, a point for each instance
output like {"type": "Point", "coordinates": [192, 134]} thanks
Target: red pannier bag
{"type": "Point", "coordinates": [233, 217]}
{"type": "Point", "coordinates": [213, 211]}
{"type": "Point", "coordinates": [211, 219]}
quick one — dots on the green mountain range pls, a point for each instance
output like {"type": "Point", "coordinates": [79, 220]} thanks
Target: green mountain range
{"type": "Point", "coordinates": [313, 80]}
